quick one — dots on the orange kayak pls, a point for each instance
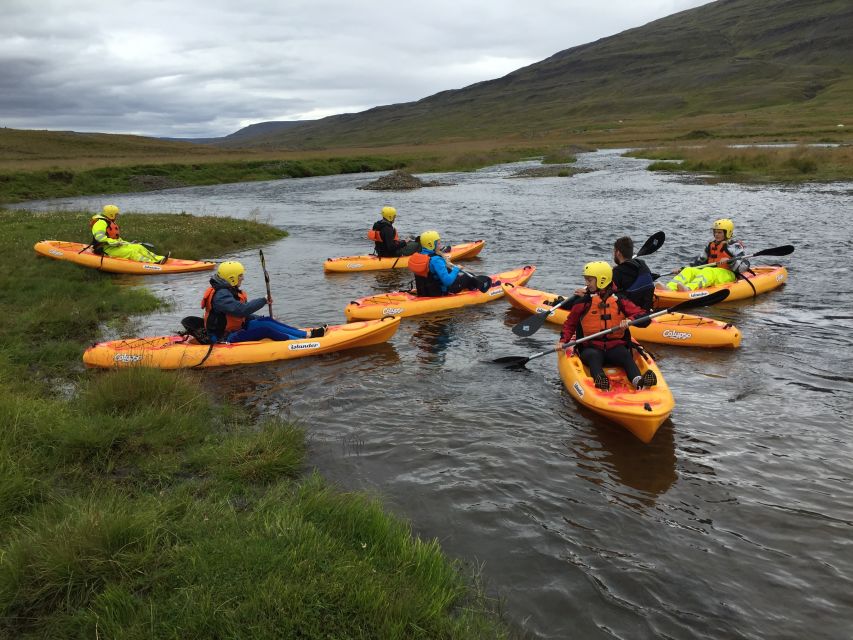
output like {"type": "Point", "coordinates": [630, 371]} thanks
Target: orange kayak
{"type": "Point", "coordinates": [461, 251]}
{"type": "Point", "coordinates": [678, 329]}
{"type": "Point", "coordinates": [77, 253]}
{"type": "Point", "coordinates": [407, 303]}
{"type": "Point", "coordinates": [180, 352]}
{"type": "Point", "coordinates": [640, 411]}
{"type": "Point", "coordinates": [765, 279]}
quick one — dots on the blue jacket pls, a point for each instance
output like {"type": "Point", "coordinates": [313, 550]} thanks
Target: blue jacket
{"type": "Point", "coordinates": [438, 268]}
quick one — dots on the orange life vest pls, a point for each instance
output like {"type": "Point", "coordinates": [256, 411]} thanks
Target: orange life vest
{"type": "Point", "coordinates": [419, 264]}
{"type": "Point", "coordinates": [232, 323]}
{"type": "Point", "coordinates": [112, 227]}
{"type": "Point", "coordinates": [601, 315]}
{"type": "Point", "coordinates": [426, 284]}
{"type": "Point", "coordinates": [718, 251]}
{"type": "Point", "coordinates": [374, 235]}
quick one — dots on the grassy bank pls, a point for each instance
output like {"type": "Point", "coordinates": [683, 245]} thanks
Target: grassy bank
{"type": "Point", "coordinates": [134, 504]}
{"type": "Point", "coordinates": [17, 186]}
{"type": "Point", "coordinates": [755, 164]}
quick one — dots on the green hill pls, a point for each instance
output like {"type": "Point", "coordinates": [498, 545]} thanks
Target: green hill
{"type": "Point", "coordinates": [740, 66]}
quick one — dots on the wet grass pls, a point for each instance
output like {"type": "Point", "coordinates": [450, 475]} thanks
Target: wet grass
{"type": "Point", "coordinates": [755, 164]}
{"type": "Point", "coordinates": [135, 504]}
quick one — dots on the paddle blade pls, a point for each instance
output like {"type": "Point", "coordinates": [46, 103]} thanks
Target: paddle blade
{"type": "Point", "coordinates": [512, 361]}
{"type": "Point", "coordinates": [651, 245]}
{"type": "Point", "coordinates": [701, 301]}
{"type": "Point", "coordinates": [530, 325]}
{"type": "Point", "coordinates": [784, 250]}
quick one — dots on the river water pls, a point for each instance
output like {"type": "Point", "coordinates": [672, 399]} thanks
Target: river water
{"type": "Point", "coordinates": [735, 522]}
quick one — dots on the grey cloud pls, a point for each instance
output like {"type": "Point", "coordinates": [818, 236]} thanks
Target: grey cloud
{"type": "Point", "coordinates": [193, 68]}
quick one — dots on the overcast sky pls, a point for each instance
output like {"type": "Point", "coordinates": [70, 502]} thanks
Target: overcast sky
{"type": "Point", "coordinates": [196, 68]}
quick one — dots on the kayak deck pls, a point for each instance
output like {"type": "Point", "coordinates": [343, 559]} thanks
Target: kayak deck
{"type": "Point", "coordinates": [763, 280]}
{"type": "Point", "coordinates": [640, 411]}
{"type": "Point", "coordinates": [461, 251]}
{"type": "Point", "coordinates": [179, 352]}
{"type": "Point", "coordinates": [679, 329]}
{"type": "Point", "coordinates": [81, 254]}
{"type": "Point", "coordinates": [407, 303]}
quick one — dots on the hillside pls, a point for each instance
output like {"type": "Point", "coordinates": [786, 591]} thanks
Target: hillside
{"type": "Point", "coordinates": [782, 64]}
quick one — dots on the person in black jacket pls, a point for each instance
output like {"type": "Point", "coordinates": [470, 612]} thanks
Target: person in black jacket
{"type": "Point", "coordinates": [632, 276]}
{"type": "Point", "coordinates": [387, 242]}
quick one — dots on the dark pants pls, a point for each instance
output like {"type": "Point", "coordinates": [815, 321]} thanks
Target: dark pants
{"type": "Point", "coordinates": [264, 327]}
{"type": "Point", "coordinates": [619, 356]}
{"type": "Point", "coordinates": [468, 282]}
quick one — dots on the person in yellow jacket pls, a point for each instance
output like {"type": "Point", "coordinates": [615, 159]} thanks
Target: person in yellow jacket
{"type": "Point", "coordinates": [724, 252]}
{"type": "Point", "coordinates": [106, 239]}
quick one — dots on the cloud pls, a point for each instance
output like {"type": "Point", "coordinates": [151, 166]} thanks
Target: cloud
{"type": "Point", "coordinates": [195, 68]}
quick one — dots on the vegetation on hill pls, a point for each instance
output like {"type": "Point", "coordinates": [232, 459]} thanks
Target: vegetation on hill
{"type": "Point", "coordinates": [136, 504]}
{"type": "Point", "coordinates": [735, 67]}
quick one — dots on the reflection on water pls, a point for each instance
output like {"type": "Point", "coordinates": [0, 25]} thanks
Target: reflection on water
{"type": "Point", "coordinates": [735, 521]}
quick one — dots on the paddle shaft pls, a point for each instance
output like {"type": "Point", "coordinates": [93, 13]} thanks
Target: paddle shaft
{"type": "Point", "coordinates": [266, 279]}
{"type": "Point", "coordinates": [533, 323]}
{"type": "Point", "coordinates": [784, 250]}
{"type": "Point", "coordinates": [711, 298]}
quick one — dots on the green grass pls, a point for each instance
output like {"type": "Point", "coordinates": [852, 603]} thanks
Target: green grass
{"type": "Point", "coordinates": [18, 186]}
{"type": "Point", "coordinates": [134, 504]}
{"type": "Point", "coordinates": [755, 164]}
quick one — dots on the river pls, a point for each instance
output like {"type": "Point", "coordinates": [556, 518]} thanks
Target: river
{"type": "Point", "coordinates": [735, 522]}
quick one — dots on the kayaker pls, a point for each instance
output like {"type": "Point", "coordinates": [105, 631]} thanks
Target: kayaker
{"type": "Point", "coordinates": [602, 307]}
{"type": "Point", "coordinates": [387, 242]}
{"type": "Point", "coordinates": [106, 239]}
{"type": "Point", "coordinates": [722, 250]}
{"type": "Point", "coordinates": [631, 275]}
{"type": "Point", "coordinates": [435, 275]}
{"type": "Point", "coordinates": [228, 314]}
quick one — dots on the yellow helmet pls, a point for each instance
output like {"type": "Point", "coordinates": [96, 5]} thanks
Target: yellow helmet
{"type": "Point", "coordinates": [389, 213]}
{"type": "Point", "coordinates": [726, 225]}
{"type": "Point", "coordinates": [601, 271]}
{"type": "Point", "coordinates": [429, 239]}
{"type": "Point", "coordinates": [111, 211]}
{"type": "Point", "coordinates": [231, 271]}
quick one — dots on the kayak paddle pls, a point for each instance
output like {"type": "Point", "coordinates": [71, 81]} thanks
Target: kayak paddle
{"type": "Point", "coordinates": [266, 279]}
{"type": "Point", "coordinates": [533, 323]}
{"type": "Point", "coordinates": [702, 301]}
{"type": "Point", "coordinates": [784, 250]}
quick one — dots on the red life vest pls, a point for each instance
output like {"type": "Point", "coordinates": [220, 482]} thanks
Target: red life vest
{"type": "Point", "coordinates": [718, 251]}
{"type": "Point", "coordinates": [374, 235]}
{"type": "Point", "coordinates": [112, 227]}
{"type": "Point", "coordinates": [601, 315]}
{"type": "Point", "coordinates": [232, 323]}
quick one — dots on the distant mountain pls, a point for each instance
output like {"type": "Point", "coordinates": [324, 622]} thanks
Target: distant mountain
{"type": "Point", "coordinates": [723, 57]}
{"type": "Point", "coordinates": [254, 132]}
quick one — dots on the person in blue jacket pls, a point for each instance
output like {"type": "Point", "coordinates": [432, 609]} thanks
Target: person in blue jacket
{"type": "Point", "coordinates": [229, 314]}
{"type": "Point", "coordinates": [436, 276]}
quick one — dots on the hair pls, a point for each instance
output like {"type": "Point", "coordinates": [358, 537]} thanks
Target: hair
{"type": "Point", "coordinates": [625, 246]}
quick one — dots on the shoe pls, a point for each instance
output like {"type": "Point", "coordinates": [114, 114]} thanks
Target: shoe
{"type": "Point", "coordinates": [649, 379]}
{"type": "Point", "coordinates": [164, 258]}
{"type": "Point", "coordinates": [318, 332]}
{"type": "Point", "coordinates": [602, 382]}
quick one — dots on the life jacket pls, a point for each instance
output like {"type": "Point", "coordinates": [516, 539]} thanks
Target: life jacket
{"type": "Point", "coordinates": [221, 324]}
{"type": "Point", "coordinates": [379, 247]}
{"type": "Point", "coordinates": [718, 251]}
{"type": "Point", "coordinates": [601, 315]}
{"type": "Point", "coordinates": [425, 282]}
{"type": "Point", "coordinates": [374, 235]}
{"type": "Point", "coordinates": [112, 232]}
